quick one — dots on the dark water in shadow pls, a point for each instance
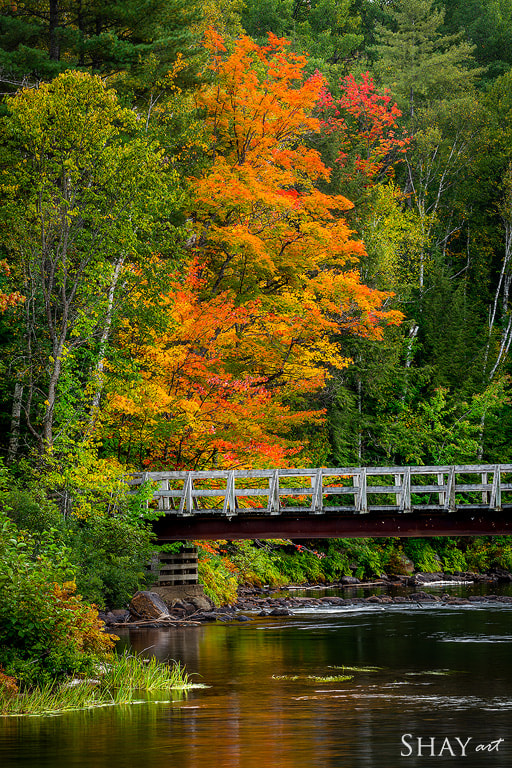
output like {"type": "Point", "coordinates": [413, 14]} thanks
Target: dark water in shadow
{"type": "Point", "coordinates": [444, 672]}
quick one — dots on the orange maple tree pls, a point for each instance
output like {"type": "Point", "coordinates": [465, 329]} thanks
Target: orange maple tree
{"type": "Point", "coordinates": [273, 285]}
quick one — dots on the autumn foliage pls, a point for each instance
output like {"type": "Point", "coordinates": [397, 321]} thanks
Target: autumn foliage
{"type": "Point", "coordinates": [257, 322]}
{"type": "Point", "coordinates": [365, 123]}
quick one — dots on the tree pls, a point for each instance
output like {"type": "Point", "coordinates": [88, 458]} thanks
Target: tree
{"type": "Point", "coordinates": [328, 30]}
{"type": "Point", "coordinates": [416, 61]}
{"type": "Point", "coordinates": [83, 190]}
{"type": "Point", "coordinates": [261, 320]}
{"type": "Point", "coordinates": [487, 24]}
{"type": "Point", "coordinates": [41, 38]}
{"type": "Point", "coordinates": [362, 124]}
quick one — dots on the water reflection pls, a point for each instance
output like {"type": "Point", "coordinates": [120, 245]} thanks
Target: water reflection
{"type": "Point", "coordinates": [271, 702]}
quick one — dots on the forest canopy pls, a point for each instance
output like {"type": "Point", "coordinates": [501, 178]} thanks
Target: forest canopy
{"type": "Point", "coordinates": [252, 234]}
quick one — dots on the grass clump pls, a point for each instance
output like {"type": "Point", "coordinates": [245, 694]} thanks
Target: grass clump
{"type": "Point", "coordinates": [121, 682]}
{"type": "Point", "coordinates": [136, 673]}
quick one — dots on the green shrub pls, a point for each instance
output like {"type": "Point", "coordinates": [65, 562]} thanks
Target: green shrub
{"type": "Point", "coordinates": [109, 549]}
{"type": "Point", "coordinates": [218, 579]}
{"type": "Point", "coordinates": [46, 631]}
{"type": "Point", "coordinates": [111, 554]}
{"type": "Point", "coordinates": [424, 557]}
{"type": "Point", "coordinates": [454, 559]}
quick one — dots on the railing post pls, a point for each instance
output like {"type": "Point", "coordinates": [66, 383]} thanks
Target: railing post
{"type": "Point", "coordinates": [495, 501]}
{"type": "Point", "coordinates": [273, 493]}
{"type": "Point", "coordinates": [144, 479]}
{"type": "Point", "coordinates": [361, 500]}
{"type": "Point", "coordinates": [230, 498]}
{"type": "Point", "coordinates": [186, 499]}
{"type": "Point", "coordinates": [163, 501]}
{"type": "Point", "coordinates": [399, 495]}
{"type": "Point", "coordinates": [316, 501]}
{"type": "Point", "coordinates": [405, 503]}
{"type": "Point", "coordinates": [442, 494]}
{"type": "Point", "coordinates": [449, 502]}
{"type": "Point", "coordinates": [485, 494]}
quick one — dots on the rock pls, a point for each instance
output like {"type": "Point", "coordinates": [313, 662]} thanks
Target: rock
{"type": "Point", "coordinates": [349, 580]}
{"type": "Point", "coordinates": [263, 613]}
{"type": "Point", "coordinates": [280, 612]}
{"type": "Point", "coordinates": [201, 603]}
{"type": "Point", "coordinates": [503, 577]}
{"type": "Point", "coordinates": [121, 614]}
{"type": "Point", "coordinates": [374, 599]}
{"type": "Point", "coordinates": [423, 597]}
{"type": "Point", "coordinates": [148, 605]}
{"type": "Point", "coordinates": [242, 617]}
{"type": "Point", "coordinates": [426, 577]}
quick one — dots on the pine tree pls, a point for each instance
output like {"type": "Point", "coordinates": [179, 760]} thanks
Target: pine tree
{"type": "Point", "coordinates": [40, 38]}
{"type": "Point", "coordinates": [416, 61]}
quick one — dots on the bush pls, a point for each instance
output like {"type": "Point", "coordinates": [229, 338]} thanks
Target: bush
{"type": "Point", "coordinates": [216, 574]}
{"type": "Point", "coordinates": [109, 547]}
{"type": "Point", "coordinates": [423, 555]}
{"type": "Point", "coordinates": [46, 630]}
{"type": "Point", "coordinates": [111, 554]}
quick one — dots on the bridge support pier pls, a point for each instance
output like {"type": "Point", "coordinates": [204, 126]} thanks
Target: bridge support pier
{"type": "Point", "coordinates": [177, 569]}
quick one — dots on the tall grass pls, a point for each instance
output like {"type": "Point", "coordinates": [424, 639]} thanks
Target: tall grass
{"type": "Point", "coordinates": [124, 678]}
{"type": "Point", "coordinates": [136, 673]}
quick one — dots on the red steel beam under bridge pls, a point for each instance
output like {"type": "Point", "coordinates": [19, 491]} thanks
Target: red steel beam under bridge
{"type": "Point", "coordinates": [462, 500]}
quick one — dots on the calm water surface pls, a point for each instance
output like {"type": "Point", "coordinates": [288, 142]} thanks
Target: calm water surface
{"type": "Point", "coordinates": [443, 673]}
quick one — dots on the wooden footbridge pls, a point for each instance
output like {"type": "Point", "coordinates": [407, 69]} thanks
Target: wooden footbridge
{"type": "Point", "coordinates": [464, 500]}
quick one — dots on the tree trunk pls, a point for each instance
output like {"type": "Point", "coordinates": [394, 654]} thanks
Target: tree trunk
{"type": "Point", "coordinates": [100, 365]}
{"type": "Point", "coordinates": [14, 439]}
{"type": "Point", "coordinates": [54, 44]}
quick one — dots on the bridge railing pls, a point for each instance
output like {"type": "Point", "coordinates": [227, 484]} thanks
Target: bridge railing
{"type": "Point", "coordinates": [353, 490]}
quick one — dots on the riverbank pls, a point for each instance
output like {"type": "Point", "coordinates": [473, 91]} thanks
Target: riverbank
{"type": "Point", "coordinates": [149, 610]}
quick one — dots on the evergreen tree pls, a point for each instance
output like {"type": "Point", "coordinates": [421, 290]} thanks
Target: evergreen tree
{"type": "Point", "coordinates": [416, 61]}
{"type": "Point", "coordinates": [40, 38]}
{"type": "Point", "coordinates": [487, 24]}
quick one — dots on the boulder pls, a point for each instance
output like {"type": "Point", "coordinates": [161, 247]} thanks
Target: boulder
{"type": "Point", "coordinates": [148, 605]}
{"type": "Point", "coordinates": [349, 580]}
{"type": "Point", "coordinates": [423, 597]}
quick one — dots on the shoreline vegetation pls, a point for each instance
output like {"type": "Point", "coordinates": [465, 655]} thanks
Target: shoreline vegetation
{"type": "Point", "coordinates": [123, 679]}
{"type": "Point", "coordinates": [225, 566]}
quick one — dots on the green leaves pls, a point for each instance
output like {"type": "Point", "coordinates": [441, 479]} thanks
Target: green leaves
{"type": "Point", "coordinates": [88, 196]}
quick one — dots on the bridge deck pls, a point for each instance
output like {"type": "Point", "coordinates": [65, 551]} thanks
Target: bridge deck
{"type": "Point", "coordinates": [332, 502]}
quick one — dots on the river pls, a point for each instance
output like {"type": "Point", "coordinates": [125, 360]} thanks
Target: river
{"type": "Point", "coordinates": [429, 685]}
